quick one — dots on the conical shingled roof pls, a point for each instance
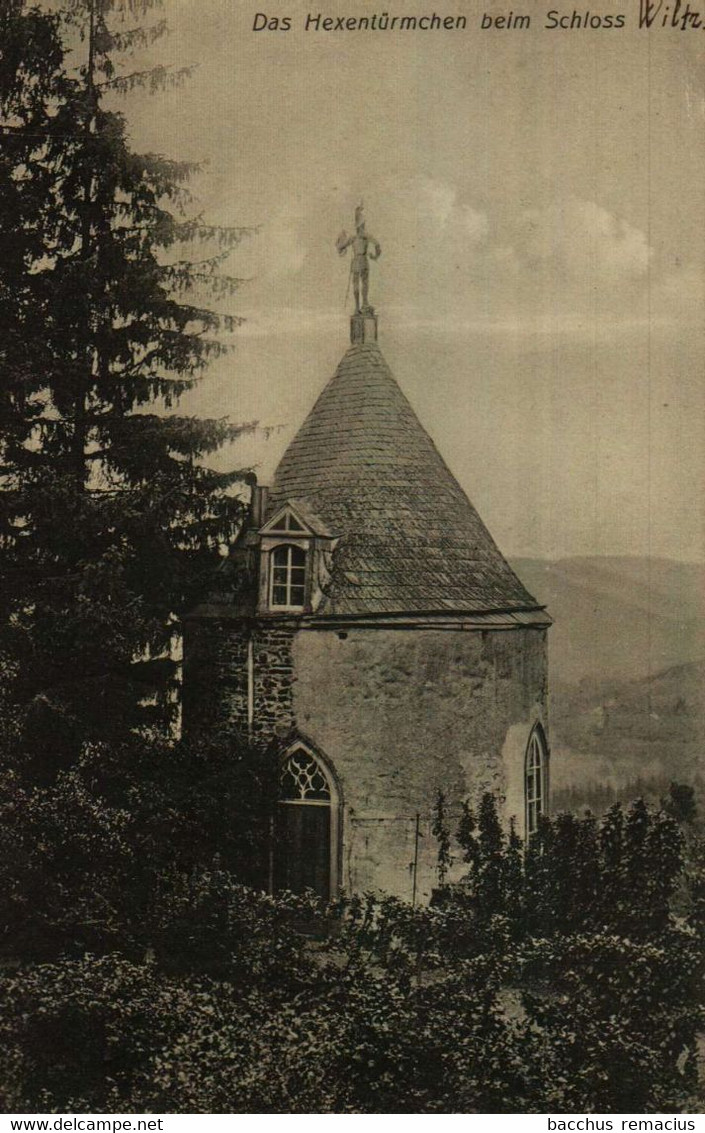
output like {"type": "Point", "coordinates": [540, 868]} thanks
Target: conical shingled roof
{"type": "Point", "coordinates": [410, 540]}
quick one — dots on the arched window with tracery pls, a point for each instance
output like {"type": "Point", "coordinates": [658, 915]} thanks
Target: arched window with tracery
{"type": "Point", "coordinates": [536, 780]}
{"type": "Point", "coordinates": [287, 586]}
{"type": "Point", "coordinates": [306, 847]}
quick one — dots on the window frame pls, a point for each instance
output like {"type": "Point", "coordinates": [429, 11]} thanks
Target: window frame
{"type": "Point", "coordinates": [334, 804]}
{"type": "Point", "coordinates": [536, 780]}
{"type": "Point", "coordinates": [286, 522]}
{"type": "Point", "coordinates": [290, 545]}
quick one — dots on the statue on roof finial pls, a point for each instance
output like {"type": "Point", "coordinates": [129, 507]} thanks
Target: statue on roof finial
{"type": "Point", "coordinates": [365, 248]}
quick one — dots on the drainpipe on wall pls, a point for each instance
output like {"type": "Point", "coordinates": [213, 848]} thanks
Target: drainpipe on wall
{"type": "Point", "coordinates": [416, 860]}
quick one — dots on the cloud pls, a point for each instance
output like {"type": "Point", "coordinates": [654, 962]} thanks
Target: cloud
{"type": "Point", "coordinates": [557, 267]}
{"type": "Point", "coordinates": [579, 240]}
{"type": "Point", "coordinates": [555, 263]}
{"type": "Point", "coordinates": [432, 237]}
{"type": "Point", "coordinates": [439, 206]}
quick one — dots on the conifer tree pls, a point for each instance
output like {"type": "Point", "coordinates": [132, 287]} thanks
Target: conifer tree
{"type": "Point", "coordinates": [110, 518]}
{"type": "Point", "coordinates": [491, 844]}
{"type": "Point", "coordinates": [439, 829]}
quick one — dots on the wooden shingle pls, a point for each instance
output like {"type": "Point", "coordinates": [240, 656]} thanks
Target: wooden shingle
{"type": "Point", "coordinates": [410, 540]}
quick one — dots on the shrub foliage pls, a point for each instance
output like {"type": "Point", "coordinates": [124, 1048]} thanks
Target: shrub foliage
{"type": "Point", "coordinates": [517, 990]}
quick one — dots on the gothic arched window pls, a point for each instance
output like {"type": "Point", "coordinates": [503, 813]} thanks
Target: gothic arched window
{"type": "Point", "coordinates": [303, 780]}
{"type": "Point", "coordinates": [288, 577]}
{"type": "Point", "coordinates": [307, 825]}
{"type": "Point", "coordinates": [536, 780]}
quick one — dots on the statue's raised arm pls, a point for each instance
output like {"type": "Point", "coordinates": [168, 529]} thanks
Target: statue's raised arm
{"type": "Point", "coordinates": [343, 242]}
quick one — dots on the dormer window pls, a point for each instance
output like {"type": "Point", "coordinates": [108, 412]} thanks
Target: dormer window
{"type": "Point", "coordinates": [288, 577]}
{"type": "Point", "coordinates": [294, 553]}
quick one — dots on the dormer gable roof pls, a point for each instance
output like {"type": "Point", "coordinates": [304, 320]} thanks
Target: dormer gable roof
{"type": "Point", "coordinates": [295, 518]}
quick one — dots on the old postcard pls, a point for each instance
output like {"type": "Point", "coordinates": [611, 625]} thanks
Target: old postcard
{"type": "Point", "coordinates": [353, 452]}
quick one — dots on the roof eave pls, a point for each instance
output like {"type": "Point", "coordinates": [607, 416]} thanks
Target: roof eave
{"type": "Point", "coordinates": [534, 618]}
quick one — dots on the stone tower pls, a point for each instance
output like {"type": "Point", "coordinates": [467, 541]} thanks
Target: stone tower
{"type": "Point", "coordinates": [382, 649]}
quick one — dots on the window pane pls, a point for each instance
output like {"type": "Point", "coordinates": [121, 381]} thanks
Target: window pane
{"type": "Point", "coordinates": [535, 783]}
{"type": "Point", "coordinates": [533, 818]}
{"type": "Point", "coordinates": [288, 576]}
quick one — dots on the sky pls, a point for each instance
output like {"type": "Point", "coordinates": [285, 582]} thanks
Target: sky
{"type": "Point", "coordinates": [539, 196]}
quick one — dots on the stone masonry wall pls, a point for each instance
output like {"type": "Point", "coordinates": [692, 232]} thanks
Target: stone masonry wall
{"type": "Point", "coordinates": [402, 713]}
{"type": "Point", "coordinates": [216, 677]}
{"type": "Point", "coordinates": [273, 682]}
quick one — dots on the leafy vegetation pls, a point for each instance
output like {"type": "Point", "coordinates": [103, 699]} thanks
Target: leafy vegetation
{"type": "Point", "coordinates": [558, 981]}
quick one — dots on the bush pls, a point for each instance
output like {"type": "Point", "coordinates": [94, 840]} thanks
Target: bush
{"type": "Point", "coordinates": [617, 1019]}
{"type": "Point", "coordinates": [87, 859]}
{"type": "Point", "coordinates": [237, 1012]}
{"type": "Point", "coordinates": [560, 980]}
{"type": "Point", "coordinates": [83, 1035]}
{"type": "Point", "coordinates": [105, 1034]}
{"type": "Point", "coordinates": [208, 923]}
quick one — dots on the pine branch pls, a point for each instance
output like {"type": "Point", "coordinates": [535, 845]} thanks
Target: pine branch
{"type": "Point", "coordinates": [154, 79]}
{"type": "Point", "coordinates": [136, 8]}
{"type": "Point", "coordinates": [225, 237]}
{"type": "Point", "coordinates": [126, 41]}
{"type": "Point", "coordinates": [75, 11]}
{"type": "Point", "coordinates": [184, 275]}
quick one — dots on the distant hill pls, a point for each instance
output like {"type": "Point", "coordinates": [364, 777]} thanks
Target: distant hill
{"type": "Point", "coordinates": [616, 732]}
{"type": "Point", "coordinates": [627, 674]}
{"type": "Point", "coordinates": [618, 617]}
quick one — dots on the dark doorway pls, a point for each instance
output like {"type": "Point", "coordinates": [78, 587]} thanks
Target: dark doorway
{"type": "Point", "coordinates": [302, 858]}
